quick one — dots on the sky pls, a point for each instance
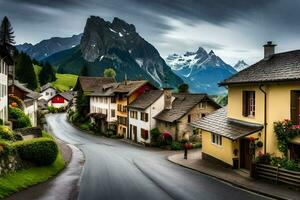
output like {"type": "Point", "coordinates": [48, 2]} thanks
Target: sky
{"type": "Point", "coordinates": [233, 29]}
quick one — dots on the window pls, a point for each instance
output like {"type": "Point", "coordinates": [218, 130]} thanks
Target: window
{"type": "Point", "coordinates": [144, 134]}
{"type": "Point", "coordinates": [124, 109]}
{"type": "Point", "coordinates": [47, 93]}
{"type": "Point", "coordinates": [189, 118]}
{"type": "Point", "coordinates": [119, 107]}
{"type": "Point", "coordinates": [144, 117]}
{"type": "Point", "coordinates": [113, 113]}
{"type": "Point", "coordinates": [249, 103]}
{"type": "Point", "coordinates": [122, 121]}
{"type": "Point", "coordinates": [216, 139]}
{"type": "Point", "coordinates": [133, 114]}
{"type": "Point", "coordinates": [113, 100]}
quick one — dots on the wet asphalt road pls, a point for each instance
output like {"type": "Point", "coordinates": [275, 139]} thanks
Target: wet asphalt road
{"type": "Point", "coordinates": [116, 170]}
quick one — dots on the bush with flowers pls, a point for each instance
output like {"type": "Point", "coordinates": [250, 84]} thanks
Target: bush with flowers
{"type": "Point", "coordinates": [285, 131]}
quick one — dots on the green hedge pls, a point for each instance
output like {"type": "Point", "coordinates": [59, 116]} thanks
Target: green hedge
{"type": "Point", "coordinates": [6, 148]}
{"type": "Point", "coordinates": [19, 118]}
{"type": "Point", "coordinates": [40, 151]}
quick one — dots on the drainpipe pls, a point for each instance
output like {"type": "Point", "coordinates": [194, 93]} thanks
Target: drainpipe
{"type": "Point", "coordinates": [265, 117]}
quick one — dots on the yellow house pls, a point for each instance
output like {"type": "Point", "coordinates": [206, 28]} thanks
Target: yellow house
{"type": "Point", "coordinates": [258, 96]}
{"type": "Point", "coordinates": [125, 94]}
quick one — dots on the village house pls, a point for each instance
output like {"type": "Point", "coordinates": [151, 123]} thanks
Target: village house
{"type": "Point", "coordinates": [29, 98]}
{"type": "Point", "coordinates": [141, 113]}
{"type": "Point", "coordinates": [181, 109]}
{"type": "Point", "coordinates": [61, 100]}
{"type": "Point", "coordinates": [125, 93]}
{"type": "Point", "coordinates": [258, 96]}
{"type": "Point", "coordinates": [5, 62]}
{"type": "Point", "coordinates": [103, 107]}
{"type": "Point", "coordinates": [47, 92]}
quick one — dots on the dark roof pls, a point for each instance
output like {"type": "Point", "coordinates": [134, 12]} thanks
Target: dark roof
{"type": "Point", "coordinates": [279, 67]}
{"type": "Point", "coordinates": [146, 99]}
{"type": "Point", "coordinates": [181, 105]}
{"type": "Point", "coordinates": [107, 90]}
{"type": "Point", "coordinates": [218, 123]}
{"type": "Point", "coordinates": [46, 86]}
{"type": "Point", "coordinates": [129, 87]}
{"type": "Point", "coordinates": [92, 84]}
{"type": "Point", "coordinates": [29, 93]}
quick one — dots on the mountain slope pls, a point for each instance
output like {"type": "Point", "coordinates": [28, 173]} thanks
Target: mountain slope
{"type": "Point", "coordinates": [240, 65]}
{"type": "Point", "coordinates": [50, 46]}
{"type": "Point", "coordinates": [115, 44]}
{"type": "Point", "coordinates": [201, 70]}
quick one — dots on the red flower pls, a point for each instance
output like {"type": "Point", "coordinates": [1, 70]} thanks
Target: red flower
{"type": "Point", "coordinates": [252, 139]}
{"type": "Point", "coordinates": [296, 127]}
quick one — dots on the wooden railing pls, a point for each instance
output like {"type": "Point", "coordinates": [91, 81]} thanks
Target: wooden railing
{"type": "Point", "coordinates": [278, 174]}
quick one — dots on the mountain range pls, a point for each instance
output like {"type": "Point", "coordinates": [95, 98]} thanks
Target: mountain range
{"type": "Point", "coordinates": [50, 46]}
{"type": "Point", "coordinates": [201, 70]}
{"type": "Point", "coordinates": [117, 44]}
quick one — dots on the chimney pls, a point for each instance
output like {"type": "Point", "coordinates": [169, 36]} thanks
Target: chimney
{"type": "Point", "coordinates": [269, 49]}
{"type": "Point", "coordinates": [168, 98]}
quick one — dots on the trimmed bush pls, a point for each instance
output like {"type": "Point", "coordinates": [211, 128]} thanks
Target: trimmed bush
{"type": "Point", "coordinates": [176, 146]}
{"type": "Point", "coordinates": [155, 134]}
{"type": "Point", "coordinates": [19, 118]}
{"type": "Point", "coordinates": [6, 149]}
{"type": "Point", "coordinates": [6, 133]}
{"type": "Point", "coordinates": [15, 101]}
{"type": "Point", "coordinates": [40, 151]}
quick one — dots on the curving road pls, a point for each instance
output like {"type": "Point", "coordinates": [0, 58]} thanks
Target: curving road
{"type": "Point", "coordinates": [117, 170]}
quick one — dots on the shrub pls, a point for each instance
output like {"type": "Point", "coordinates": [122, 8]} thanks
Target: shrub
{"type": "Point", "coordinates": [289, 165]}
{"type": "Point", "coordinates": [52, 109]}
{"type": "Point", "coordinates": [15, 101]}
{"type": "Point", "coordinates": [196, 145]}
{"type": "Point", "coordinates": [155, 134]}
{"type": "Point", "coordinates": [18, 137]}
{"type": "Point", "coordinates": [263, 158]}
{"type": "Point", "coordinates": [19, 118]}
{"type": "Point", "coordinates": [6, 149]}
{"type": "Point", "coordinates": [6, 133]}
{"type": "Point", "coordinates": [167, 137]}
{"type": "Point", "coordinates": [176, 146]}
{"type": "Point", "coordinates": [40, 151]}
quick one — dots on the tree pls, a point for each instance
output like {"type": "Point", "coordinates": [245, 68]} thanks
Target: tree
{"type": "Point", "coordinates": [6, 35]}
{"type": "Point", "coordinates": [110, 72]}
{"type": "Point", "coordinates": [82, 103]}
{"type": "Point", "coordinates": [84, 71]}
{"type": "Point", "coordinates": [183, 88]}
{"type": "Point", "coordinates": [47, 74]}
{"type": "Point", "coordinates": [25, 72]}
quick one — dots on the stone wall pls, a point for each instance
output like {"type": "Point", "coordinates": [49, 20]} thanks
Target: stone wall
{"type": "Point", "coordinates": [9, 164]}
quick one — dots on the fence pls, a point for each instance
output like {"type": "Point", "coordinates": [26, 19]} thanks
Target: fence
{"type": "Point", "coordinates": [278, 174]}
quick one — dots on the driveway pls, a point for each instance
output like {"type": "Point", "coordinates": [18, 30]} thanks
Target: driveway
{"type": "Point", "coordinates": [117, 170]}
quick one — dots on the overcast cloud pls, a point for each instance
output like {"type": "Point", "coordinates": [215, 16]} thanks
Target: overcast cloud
{"type": "Point", "coordinates": [234, 29]}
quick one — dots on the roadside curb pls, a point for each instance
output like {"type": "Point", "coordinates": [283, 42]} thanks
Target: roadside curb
{"type": "Point", "coordinates": [226, 181]}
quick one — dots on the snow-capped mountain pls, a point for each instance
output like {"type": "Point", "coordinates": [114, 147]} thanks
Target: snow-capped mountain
{"type": "Point", "coordinates": [201, 70]}
{"type": "Point", "coordinates": [240, 65]}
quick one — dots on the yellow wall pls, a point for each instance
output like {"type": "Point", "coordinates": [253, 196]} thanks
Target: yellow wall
{"type": "Point", "coordinates": [223, 153]}
{"type": "Point", "coordinates": [278, 107]}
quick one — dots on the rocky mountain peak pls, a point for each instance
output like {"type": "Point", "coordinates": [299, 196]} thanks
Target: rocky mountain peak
{"type": "Point", "coordinates": [240, 65]}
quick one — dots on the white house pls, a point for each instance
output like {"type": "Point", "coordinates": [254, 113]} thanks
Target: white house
{"type": "Point", "coordinates": [103, 101]}
{"type": "Point", "coordinates": [60, 100]}
{"type": "Point", "coordinates": [141, 113]}
{"type": "Point", "coordinates": [5, 61]}
{"type": "Point", "coordinates": [47, 92]}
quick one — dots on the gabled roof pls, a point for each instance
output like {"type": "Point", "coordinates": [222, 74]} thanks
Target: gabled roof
{"type": "Point", "coordinates": [218, 123]}
{"type": "Point", "coordinates": [92, 84]}
{"type": "Point", "coordinates": [146, 99]}
{"type": "Point", "coordinates": [29, 93]}
{"type": "Point", "coordinates": [181, 105]}
{"type": "Point", "coordinates": [107, 90]}
{"type": "Point", "coordinates": [277, 68]}
{"type": "Point", "coordinates": [46, 86]}
{"type": "Point", "coordinates": [66, 95]}
{"type": "Point", "coordinates": [128, 87]}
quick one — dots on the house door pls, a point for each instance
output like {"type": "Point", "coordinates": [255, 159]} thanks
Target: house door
{"type": "Point", "coordinates": [245, 156]}
{"type": "Point", "coordinates": [135, 133]}
{"type": "Point", "coordinates": [294, 152]}
{"type": "Point", "coordinates": [295, 107]}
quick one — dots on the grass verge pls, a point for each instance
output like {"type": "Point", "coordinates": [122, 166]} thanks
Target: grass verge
{"type": "Point", "coordinates": [65, 81]}
{"type": "Point", "coordinates": [17, 181]}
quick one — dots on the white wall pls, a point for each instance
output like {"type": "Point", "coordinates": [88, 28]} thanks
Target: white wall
{"type": "Point", "coordinates": [3, 91]}
{"type": "Point", "coordinates": [105, 106]}
{"type": "Point", "coordinates": [48, 94]}
{"type": "Point", "coordinates": [152, 111]}
{"type": "Point", "coordinates": [31, 111]}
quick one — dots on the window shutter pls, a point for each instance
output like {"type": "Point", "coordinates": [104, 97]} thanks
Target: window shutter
{"type": "Point", "coordinates": [294, 106]}
{"type": "Point", "coordinates": [245, 104]}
